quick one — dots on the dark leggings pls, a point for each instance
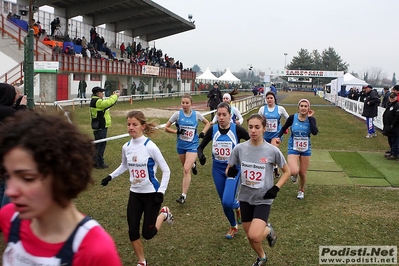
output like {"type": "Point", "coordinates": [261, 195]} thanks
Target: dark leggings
{"type": "Point", "coordinates": [250, 212]}
{"type": "Point", "coordinates": [138, 204]}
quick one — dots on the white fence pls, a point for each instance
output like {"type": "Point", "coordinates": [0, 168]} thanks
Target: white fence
{"type": "Point", "coordinates": [354, 107]}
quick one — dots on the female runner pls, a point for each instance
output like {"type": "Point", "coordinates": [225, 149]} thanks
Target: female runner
{"type": "Point", "coordinates": [299, 148]}
{"type": "Point", "coordinates": [47, 163]}
{"type": "Point", "coordinates": [225, 136]}
{"type": "Point", "coordinates": [256, 158]}
{"type": "Point", "coordinates": [236, 116]}
{"type": "Point", "coordinates": [273, 113]}
{"type": "Point", "coordinates": [142, 157]}
{"type": "Point", "coordinates": [187, 139]}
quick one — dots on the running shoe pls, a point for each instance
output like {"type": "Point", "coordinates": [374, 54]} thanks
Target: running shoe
{"type": "Point", "coordinates": [374, 135]}
{"type": "Point", "coordinates": [169, 216]}
{"type": "Point", "coordinates": [369, 136]}
{"type": "Point", "coordinates": [294, 178]}
{"type": "Point", "coordinates": [301, 195]}
{"type": "Point", "coordinates": [194, 168]}
{"type": "Point", "coordinates": [232, 232]}
{"type": "Point", "coordinates": [142, 263]}
{"type": "Point", "coordinates": [181, 199]}
{"type": "Point", "coordinates": [238, 215]}
{"type": "Point", "coordinates": [271, 237]}
{"type": "Point", "coordinates": [260, 261]}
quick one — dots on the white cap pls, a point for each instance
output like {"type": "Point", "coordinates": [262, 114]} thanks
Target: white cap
{"type": "Point", "coordinates": [227, 95]}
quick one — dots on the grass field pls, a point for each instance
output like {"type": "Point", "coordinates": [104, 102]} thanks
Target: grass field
{"type": "Point", "coordinates": [337, 209]}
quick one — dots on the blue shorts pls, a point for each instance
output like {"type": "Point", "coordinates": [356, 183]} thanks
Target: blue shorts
{"type": "Point", "coordinates": [305, 153]}
{"type": "Point", "coordinates": [184, 151]}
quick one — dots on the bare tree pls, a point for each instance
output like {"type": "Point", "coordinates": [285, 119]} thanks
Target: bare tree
{"type": "Point", "coordinates": [375, 76]}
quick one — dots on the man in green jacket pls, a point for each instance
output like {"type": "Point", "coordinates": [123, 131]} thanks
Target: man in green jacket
{"type": "Point", "coordinates": [100, 121]}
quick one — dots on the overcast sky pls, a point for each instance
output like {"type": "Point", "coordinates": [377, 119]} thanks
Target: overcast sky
{"type": "Point", "coordinates": [234, 34]}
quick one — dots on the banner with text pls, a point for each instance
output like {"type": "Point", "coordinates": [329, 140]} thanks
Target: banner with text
{"type": "Point", "coordinates": [150, 70]}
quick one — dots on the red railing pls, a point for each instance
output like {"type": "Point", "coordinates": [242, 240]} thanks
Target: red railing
{"type": "Point", "coordinates": [69, 63]}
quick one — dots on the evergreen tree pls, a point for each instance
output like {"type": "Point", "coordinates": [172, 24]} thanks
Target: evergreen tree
{"type": "Point", "coordinates": [196, 68]}
{"type": "Point", "coordinates": [393, 82]}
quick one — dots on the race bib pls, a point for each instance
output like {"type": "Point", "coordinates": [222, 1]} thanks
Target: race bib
{"type": "Point", "coordinates": [188, 134]}
{"type": "Point", "coordinates": [139, 173]}
{"type": "Point", "coordinates": [271, 125]}
{"type": "Point", "coordinates": [253, 174]}
{"type": "Point", "coordinates": [301, 144]}
{"type": "Point", "coordinates": [221, 150]}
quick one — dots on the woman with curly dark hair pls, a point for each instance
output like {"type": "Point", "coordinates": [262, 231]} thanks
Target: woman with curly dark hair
{"type": "Point", "coordinates": [46, 163]}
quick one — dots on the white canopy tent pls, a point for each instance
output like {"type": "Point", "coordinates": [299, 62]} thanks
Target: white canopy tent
{"type": "Point", "coordinates": [350, 81]}
{"type": "Point", "coordinates": [207, 76]}
{"type": "Point", "coordinates": [229, 77]}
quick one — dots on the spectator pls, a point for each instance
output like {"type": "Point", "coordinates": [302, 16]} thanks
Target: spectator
{"type": "Point", "coordinates": [370, 109]}
{"type": "Point", "coordinates": [385, 97]}
{"type": "Point", "coordinates": [41, 31]}
{"type": "Point", "coordinates": [84, 41]}
{"type": "Point", "coordinates": [273, 89]}
{"type": "Point", "coordinates": [54, 25]}
{"type": "Point", "coordinates": [133, 88]}
{"type": "Point", "coordinates": [142, 88]}
{"type": "Point", "coordinates": [100, 121]}
{"type": "Point", "coordinates": [255, 90]}
{"type": "Point", "coordinates": [169, 87]}
{"type": "Point", "coordinates": [108, 86]}
{"type": "Point", "coordinates": [396, 89]}
{"type": "Point", "coordinates": [122, 47]}
{"type": "Point", "coordinates": [11, 101]}
{"type": "Point", "coordinates": [215, 97]}
{"type": "Point", "coordinates": [82, 88]}
{"type": "Point", "coordinates": [35, 28]}
{"type": "Point", "coordinates": [390, 120]}
{"type": "Point", "coordinates": [129, 50]}
{"type": "Point", "coordinates": [362, 95]}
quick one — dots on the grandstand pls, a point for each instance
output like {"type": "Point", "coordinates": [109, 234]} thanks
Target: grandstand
{"type": "Point", "coordinates": [135, 21]}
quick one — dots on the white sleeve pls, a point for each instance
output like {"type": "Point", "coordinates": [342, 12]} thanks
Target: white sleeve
{"type": "Point", "coordinates": [239, 116]}
{"type": "Point", "coordinates": [282, 112]}
{"type": "Point", "coordinates": [261, 110]}
{"type": "Point", "coordinates": [156, 154]}
{"type": "Point", "coordinates": [123, 166]}
{"type": "Point", "coordinates": [215, 119]}
{"type": "Point", "coordinates": [174, 117]}
{"type": "Point", "coordinates": [199, 116]}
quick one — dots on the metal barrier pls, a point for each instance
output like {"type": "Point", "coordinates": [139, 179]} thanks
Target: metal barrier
{"type": "Point", "coordinates": [244, 105]}
{"type": "Point", "coordinates": [355, 108]}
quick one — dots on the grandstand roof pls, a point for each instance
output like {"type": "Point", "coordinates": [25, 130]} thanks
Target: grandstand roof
{"type": "Point", "coordinates": [142, 17]}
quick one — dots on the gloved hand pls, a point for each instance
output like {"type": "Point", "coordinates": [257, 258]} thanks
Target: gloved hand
{"type": "Point", "coordinates": [180, 131]}
{"type": "Point", "coordinates": [202, 159]}
{"type": "Point", "coordinates": [106, 180]}
{"type": "Point", "coordinates": [271, 193]}
{"type": "Point", "coordinates": [201, 135]}
{"type": "Point", "coordinates": [158, 197]}
{"type": "Point", "coordinates": [232, 172]}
